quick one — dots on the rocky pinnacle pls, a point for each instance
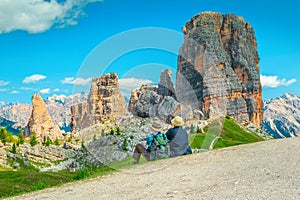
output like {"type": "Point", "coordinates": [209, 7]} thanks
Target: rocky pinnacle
{"type": "Point", "coordinates": [218, 70]}
{"type": "Point", "coordinates": [40, 121]}
{"type": "Point", "coordinates": [105, 102]}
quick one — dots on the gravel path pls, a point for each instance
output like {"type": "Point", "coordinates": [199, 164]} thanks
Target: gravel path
{"type": "Point", "coordinates": [265, 170]}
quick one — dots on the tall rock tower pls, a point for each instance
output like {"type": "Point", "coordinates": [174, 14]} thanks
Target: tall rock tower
{"type": "Point", "coordinates": [40, 121]}
{"type": "Point", "coordinates": [165, 85]}
{"type": "Point", "coordinates": [218, 70]}
{"type": "Point", "coordinates": [105, 102]}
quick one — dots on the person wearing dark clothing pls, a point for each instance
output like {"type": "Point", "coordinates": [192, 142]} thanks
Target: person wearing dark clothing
{"type": "Point", "coordinates": [178, 138]}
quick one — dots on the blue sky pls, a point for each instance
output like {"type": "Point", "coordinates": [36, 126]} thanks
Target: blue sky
{"type": "Point", "coordinates": [54, 47]}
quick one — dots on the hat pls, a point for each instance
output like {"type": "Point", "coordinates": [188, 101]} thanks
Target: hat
{"type": "Point", "coordinates": [156, 126]}
{"type": "Point", "coordinates": [177, 121]}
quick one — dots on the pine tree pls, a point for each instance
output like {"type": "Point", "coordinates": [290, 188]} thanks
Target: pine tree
{"type": "Point", "coordinates": [14, 148]}
{"type": "Point", "coordinates": [125, 145]}
{"type": "Point", "coordinates": [118, 131]}
{"type": "Point", "coordinates": [70, 139]}
{"type": "Point", "coordinates": [9, 137]}
{"type": "Point", "coordinates": [3, 135]}
{"type": "Point", "coordinates": [82, 144]}
{"type": "Point", "coordinates": [48, 141]}
{"type": "Point", "coordinates": [198, 129]}
{"type": "Point", "coordinates": [56, 142]}
{"type": "Point", "coordinates": [112, 132]}
{"type": "Point", "coordinates": [44, 140]}
{"type": "Point", "coordinates": [33, 140]}
{"type": "Point", "coordinates": [21, 137]}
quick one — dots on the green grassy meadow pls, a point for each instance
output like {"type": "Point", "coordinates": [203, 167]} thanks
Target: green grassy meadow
{"type": "Point", "coordinates": [230, 134]}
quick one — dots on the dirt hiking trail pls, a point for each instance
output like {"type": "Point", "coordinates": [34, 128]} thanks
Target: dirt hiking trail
{"type": "Point", "coordinates": [264, 170]}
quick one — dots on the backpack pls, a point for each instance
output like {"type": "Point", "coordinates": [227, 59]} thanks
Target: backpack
{"type": "Point", "coordinates": [158, 146]}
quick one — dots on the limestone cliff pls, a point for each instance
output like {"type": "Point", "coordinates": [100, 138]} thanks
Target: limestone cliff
{"type": "Point", "coordinates": [40, 121]}
{"type": "Point", "coordinates": [218, 70]}
{"type": "Point", "coordinates": [105, 102]}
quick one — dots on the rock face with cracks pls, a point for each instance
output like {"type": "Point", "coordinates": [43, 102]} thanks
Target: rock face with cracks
{"type": "Point", "coordinates": [218, 70]}
{"type": "Point", "coordinates": [105, 102]}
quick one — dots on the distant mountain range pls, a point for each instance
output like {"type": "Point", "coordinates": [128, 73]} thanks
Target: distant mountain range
{"type": "Point", "coordinates": [57, 105]}
{"type": "Point", "coordinates": [10, 126]}
{"type": "Point", "coordinates": [281, 114]}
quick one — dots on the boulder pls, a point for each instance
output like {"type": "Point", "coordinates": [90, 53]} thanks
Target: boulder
{"type": "Point", "coordinates": [148, 103]}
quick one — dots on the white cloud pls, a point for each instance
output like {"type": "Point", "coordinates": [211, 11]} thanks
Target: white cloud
{"type": "Point", "coordinates": [77, 81]}
{"type": "Point", "coordinates": [132, 83]}
{"type": "Point", "coordinates": [273, 81]}
{"type": "Point", "coordinates": [15, 92]}
{"type": "Point", "coordinates": [56, 90]}
{"type": "Point", "coordinates": [45, 91]}
{"type": "Point", "coordinates": [27, 89]}
{"type": "Point", "coordinates": [3, 83]}
{"type": "Point", "coordinates": [35, 16]}
{"type": "Point", "coordinates": [34, 78]}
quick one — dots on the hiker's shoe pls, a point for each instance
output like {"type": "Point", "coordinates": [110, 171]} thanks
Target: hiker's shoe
{"type": "Point", "coordinates": [135, 162]}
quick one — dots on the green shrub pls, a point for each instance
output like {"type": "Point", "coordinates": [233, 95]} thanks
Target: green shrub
{"type": "Point", "coordinates": [44, 140]}
{"type": "Point", "coordinates": [9, 137]}
{"type": "Point", "coordinates": [48, 141]}
{"type": "Point", "coordinates": [125, 144]}
{"type": "Point", "coordinates": [118, 131]}
{"type": "Point", "coordinates": [21, 137]}
{"type": "Point", "coordinates": [82, 144]}
{"type": "Point", "coordinates": [70, 139]}
{"type": "Point", "coordinates": [14, 148]}
{"type": "Point", "coordinates": [56, 142]}
{"type": "Point", "coordinates": [83, 173]}
{"type": "Point", "coordinates": [198, 130]}
{"type": "Point", "coordinates": [3, 135]}
{"type": "Point", "coordinates": [41, 185]}
{"type": "Point", "coordinates": [33, 140]}
{"type": "Point", "coordinates": [112, 132]}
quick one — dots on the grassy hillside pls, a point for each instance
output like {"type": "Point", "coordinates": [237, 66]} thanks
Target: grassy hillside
{"type": "Point", "coordinates": [14, 183]}
{"type": "Point", "coordinates": [221, 133]}
{"type": "Point", "coordinates": [18, 182]}
{"type": "Point", "coordinates": [224, 132]}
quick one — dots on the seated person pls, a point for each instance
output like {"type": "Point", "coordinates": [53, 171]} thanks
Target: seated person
{"type": "Point", "coordinates": [141, 150]}
{"type": "Point", "coordinates": [178, 138]}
